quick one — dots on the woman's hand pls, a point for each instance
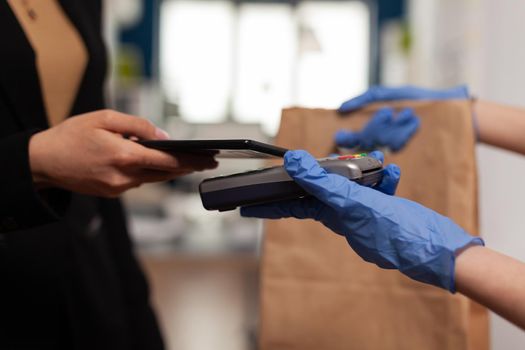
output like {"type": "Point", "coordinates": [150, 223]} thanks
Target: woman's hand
{"type": "Point", "coordinates": [88, 154]}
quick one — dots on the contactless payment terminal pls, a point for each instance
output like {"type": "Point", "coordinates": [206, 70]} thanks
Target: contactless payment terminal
{"type": "Point", "coordinates": [274, 184]}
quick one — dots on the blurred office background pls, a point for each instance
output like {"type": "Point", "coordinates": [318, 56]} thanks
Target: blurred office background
{"type": "Point", "coordinates": [225, 68]}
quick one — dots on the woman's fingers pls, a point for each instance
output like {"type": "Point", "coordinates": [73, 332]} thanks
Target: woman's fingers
{"type": "Point", "coordinates": [126, 124]}
{"type": "Point", "coordinates": [134, 155]}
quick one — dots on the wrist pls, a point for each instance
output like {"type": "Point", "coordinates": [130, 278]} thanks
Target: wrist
{"type": "Point", "coordinates": [476, 242]}
{"type": "Point", "coordinates": [465, 264]}
{"type": "Point", "coordinates": [473, 244]}
{"type": "Point", "coordinates": [36, 163]}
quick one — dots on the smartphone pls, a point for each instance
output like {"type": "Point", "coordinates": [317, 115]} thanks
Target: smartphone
{"type": "Point", "coordinates": [233, 148]}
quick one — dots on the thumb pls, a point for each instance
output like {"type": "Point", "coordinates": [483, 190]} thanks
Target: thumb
{"type": "Point", "coordinates": [126, 124]}
{"type": "Point", "coordinates": [374, 94]}
{"type": "Point", "coordinates": [355, 103]}
{"type": "Point", "coordinates": [331, 189]}
{"type": "Point", "coordinates": [391, 176]}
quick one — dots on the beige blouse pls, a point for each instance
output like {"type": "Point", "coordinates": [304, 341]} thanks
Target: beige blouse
{"type": "Point", "coordinates": [61, 56]}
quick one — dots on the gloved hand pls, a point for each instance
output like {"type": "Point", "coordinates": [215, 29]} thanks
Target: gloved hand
{"type": "Point", "coordinates": [384, 94]}
{"type": "Point", "coordinates": [385, 130]}
{"type": "Point", "coordinates": [392, 232]}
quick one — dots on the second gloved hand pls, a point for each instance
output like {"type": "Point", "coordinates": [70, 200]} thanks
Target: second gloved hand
{"type": "Point", "coordinates": [385, 129]}
{"type": "Point", "coordinates": [392, 232]}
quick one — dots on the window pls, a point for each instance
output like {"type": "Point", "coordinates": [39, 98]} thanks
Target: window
{"type": "Point", "coordinates": [221, 60]}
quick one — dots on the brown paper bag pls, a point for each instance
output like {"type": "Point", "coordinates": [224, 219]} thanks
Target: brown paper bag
{"type": "Point", "coordinates": [318, 294]}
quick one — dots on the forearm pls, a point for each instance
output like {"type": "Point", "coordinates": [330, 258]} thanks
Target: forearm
{"type": "Point", "coordinates": [501, 126]}
{"type": "Point", "coordinates": [22, 206]}
{"type": "Point", "coordinates": [494, 280]}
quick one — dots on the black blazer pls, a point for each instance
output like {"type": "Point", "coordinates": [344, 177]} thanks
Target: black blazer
{"type": "Point", "coordinates": [68, 276]}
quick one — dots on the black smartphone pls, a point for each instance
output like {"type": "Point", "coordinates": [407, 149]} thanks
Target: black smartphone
{"type": "Point", "coordinates": [234, 148]}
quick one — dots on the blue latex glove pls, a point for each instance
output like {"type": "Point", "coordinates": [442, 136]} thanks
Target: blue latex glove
{"type": "Point", "coordinates": [392, 232]}
{"type": "Point", "coordinates": [384, 94]}
{"type": "Point", "coordinates": [383, 130]}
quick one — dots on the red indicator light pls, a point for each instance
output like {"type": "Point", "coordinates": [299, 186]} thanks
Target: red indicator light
{"type": "Point", "coordinates": [351, 156]}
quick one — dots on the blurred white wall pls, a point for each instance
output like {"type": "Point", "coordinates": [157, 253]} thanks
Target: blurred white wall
{"type": "Point", "coordinates": [478, 42]}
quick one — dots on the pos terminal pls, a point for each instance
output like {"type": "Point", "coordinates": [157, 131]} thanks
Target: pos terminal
{"type": "Point", "coordinates": [274, 184]}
